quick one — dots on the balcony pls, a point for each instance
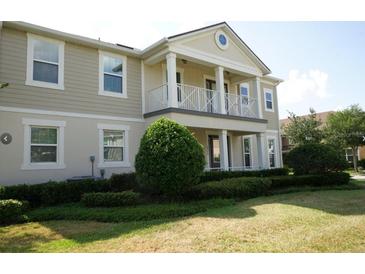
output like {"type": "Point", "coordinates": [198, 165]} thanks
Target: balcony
{"type": "Point", "coordinates": [203, 100]}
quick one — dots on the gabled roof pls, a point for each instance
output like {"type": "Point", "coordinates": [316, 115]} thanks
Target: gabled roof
{"type": "Point", "coordinates": [225, 26]}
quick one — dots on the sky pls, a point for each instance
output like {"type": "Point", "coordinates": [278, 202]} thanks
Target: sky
{"type": "Point", "coordinates": [321, 63]}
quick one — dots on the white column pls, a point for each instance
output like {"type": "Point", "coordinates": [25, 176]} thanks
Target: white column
{"type": "Point", "coordinates": [219, 81]}
{"type": "Point", "coordinates": [261, 151]}
{"type": "Point", "coordinates": [223, 149]}
{"type": "Point", "coordinates": [257, 88]}
{"type": "Point", "coordinates": [171, 80]}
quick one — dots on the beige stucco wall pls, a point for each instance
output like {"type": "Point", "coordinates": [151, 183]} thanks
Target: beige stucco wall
{"type": "Point", "coordinates": [81, 81]}
{"type": "Point", "coordinates": [81, 140]}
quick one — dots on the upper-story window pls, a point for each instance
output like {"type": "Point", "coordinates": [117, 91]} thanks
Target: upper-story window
{"type": "Point", "coordinates": [269, 102]}
{"type": "Point", "coordinates": [45, 62]}
{"type": "Point", "coordinates": [112, 75]}
{"type": "Point", "coordinates": [245, 93]}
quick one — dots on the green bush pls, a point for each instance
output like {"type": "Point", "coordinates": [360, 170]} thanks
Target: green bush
{"type": "Point", "coordinates": [169, 160]}
{"type": "Point", "coordinates": [230, 188]}
{"type": "Point", "coordinates": [315, 159]}
{"type": "Point", "coordinates": [220, 175]}
{"type": "Point", "coordinates": [11, 211]}
{"type": "Point", "coordinates": [122, 182]}
{"type": "Point", "coordinates": [361, 163]}
{"type": "Point", "coordinates": [53, 193]}
{"type": "Point", "coordinates": [328, 179]}
{"type": "Point", "coordinates": [110, 199]}
{"type": "Point", "coordinates": [125, 214]}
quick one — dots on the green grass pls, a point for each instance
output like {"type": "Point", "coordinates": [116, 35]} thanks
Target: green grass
{"type": "Point", "coordinates": [321, 221]}
{"type": "Point", "coordinates": [146, 212]}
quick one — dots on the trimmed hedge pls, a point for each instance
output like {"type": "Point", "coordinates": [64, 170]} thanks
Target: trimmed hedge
{"type": "Point", "coordinates": [230, 188]}
{"type": "Point", "coordinates": [11, 211]}
{"type": "Point", "coordinates": [220, 175]}
{"type": "Point", "coordinates": [126, 214]}
{"type": "Point", "coordinates": [110, 199]}
{"type": "Point", "coordinates": [328, 179]}
{"type": "Point", "coordinates": [53, 193]}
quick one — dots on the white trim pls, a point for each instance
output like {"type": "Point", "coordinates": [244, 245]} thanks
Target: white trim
{"type": "Point", "coordinates": [60, 125]}
{"type": "Point", "coordinates": [245, 85]}
{"type": "Point", "coordinates": [257, 87]}
{"type": "Point", "coordinates": [214, 59]}
{"type": "Point", "coordinates": [30, 62]}
{"type": "Point", "coordinates": [125, 162]}
{"type": "Point", "coordinates": [271, 131]}
{"type": "Point", "coordinates": [276, 145]}
{"type": "Point", "coordinates": [267, 90]}
{"type": "Point", "coordinates": [69, 114]}
{"type": "Point", "coordinates": [103, 92]}
{"type": "Point", "coordinates": [249, 137]}
{"type": "Point", "coordinates": [143, 92]}
{"type": "Point", "coordinates": [218, 43]}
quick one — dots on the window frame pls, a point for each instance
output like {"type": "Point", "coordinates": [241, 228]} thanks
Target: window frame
{"type": "Point", "coordinates": [60, 126]}
{"type": "Point", "coordinates": [266, 91]}
{"type": "Point", "coordinates": [249, 138]}
{"type": "Point", "coordinates": [29, 81]}
{"type": "Point", "coordinates": [102, 163]}
{"type": "Point", "coordinates": [275, 151]}
{"type": "Point", "coordinates": [123, 76]}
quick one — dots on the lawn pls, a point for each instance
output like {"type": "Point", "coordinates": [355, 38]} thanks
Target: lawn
{"type": "Point", "coordinates": [322, 221]}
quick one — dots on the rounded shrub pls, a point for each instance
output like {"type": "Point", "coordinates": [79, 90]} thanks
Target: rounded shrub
{"type": "Point", "coordinates": [315, 159]}
{"type": "Point", "coordinates": [170, 159]}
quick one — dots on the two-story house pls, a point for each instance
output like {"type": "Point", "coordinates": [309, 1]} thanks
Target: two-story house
{"type": "Point", "coordinates": [73, 102]}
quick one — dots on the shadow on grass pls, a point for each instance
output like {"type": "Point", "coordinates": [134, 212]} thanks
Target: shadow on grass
{"type": "Point", "coordinates": [346, 202]}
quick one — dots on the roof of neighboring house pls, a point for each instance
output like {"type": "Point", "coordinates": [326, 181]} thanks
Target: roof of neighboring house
{"type": "Point", "coordinates": [321, 116]}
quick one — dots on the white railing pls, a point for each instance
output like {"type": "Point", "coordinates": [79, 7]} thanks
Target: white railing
{"type": "Point", "coordinates": [239, 105]}
{"type": "Point", "coordinates": [196, 98]}
{"type": "Point", "coordinates": [233, 168]}
{"type": "Point", "coordinates": [201, 99]}
{"type": "Point", "coordinates": [157, 98]}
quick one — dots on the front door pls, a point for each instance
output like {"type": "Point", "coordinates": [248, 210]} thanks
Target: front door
{"type": "Point", "coordinates": [214, 151]}
{"type": "Point", "coordinates": [211, 85]}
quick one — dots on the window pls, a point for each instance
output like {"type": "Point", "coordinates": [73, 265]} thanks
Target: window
{"type": "Point", "coordinates": [112, 76]}
{"type": "Point", "coordinates": [349, 155]}
{"type": "Point", "coordinates": [113, 146]}
{"type": "Point", "coordinates": [271, 152]}
{"type": "Point", "coordinates": [45, 62]}
{"type": "Point", "coordinates": [269, 100]}
{"type": "Point", "coordinates": [43, 144]}
{"type": "Point", "coordinates": [247, 152]}
{"type": "Point", "coordinates": [244, 92]}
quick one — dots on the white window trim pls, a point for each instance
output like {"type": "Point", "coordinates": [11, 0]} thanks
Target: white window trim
{"type": "Point", "coordinates": [60, 125]}
{"type": "Point", "coordinates": [243, 152]}
{"type": "Point", "coordinates": [275, 151]}
{"type": "Point", "coordinates": [61, 53]}
{"type": "Point", "coordinates": [125, 162]}
{"type": "Point", "coordinates": [246, 85]}
{"type": "Point", "coordinates": [101, 75]}
{"type": "Point", "coordinates": [218, 43]}
{"type": "Point", "coordinates": [266, 90]}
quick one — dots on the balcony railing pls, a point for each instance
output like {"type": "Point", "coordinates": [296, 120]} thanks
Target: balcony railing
{"type": "Point", "coordinates": [201, 99]}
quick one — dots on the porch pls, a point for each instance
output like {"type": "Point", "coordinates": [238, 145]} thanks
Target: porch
{"type": "Point", "coordinates": [233, 150]}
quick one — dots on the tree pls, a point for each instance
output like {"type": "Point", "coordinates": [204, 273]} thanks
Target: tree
{"type": "Point", "coordinates": [170, 160]}
{"type": "Point", "coordinates": [346, 128]}
{"type": "Point", "coordinates": [304, 130]}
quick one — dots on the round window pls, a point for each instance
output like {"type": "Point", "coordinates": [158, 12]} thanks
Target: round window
{"type": "Point", "coordinates": [221, 40]}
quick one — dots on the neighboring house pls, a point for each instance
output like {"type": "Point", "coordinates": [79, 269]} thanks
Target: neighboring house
{"type": "Point", "coordinates": [321, 116]}
{"type": "Point", "coordinates": [71, 99]}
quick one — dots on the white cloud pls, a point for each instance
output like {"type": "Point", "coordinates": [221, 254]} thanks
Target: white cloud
{"type": "Point", "coordinates": [303, 86]}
